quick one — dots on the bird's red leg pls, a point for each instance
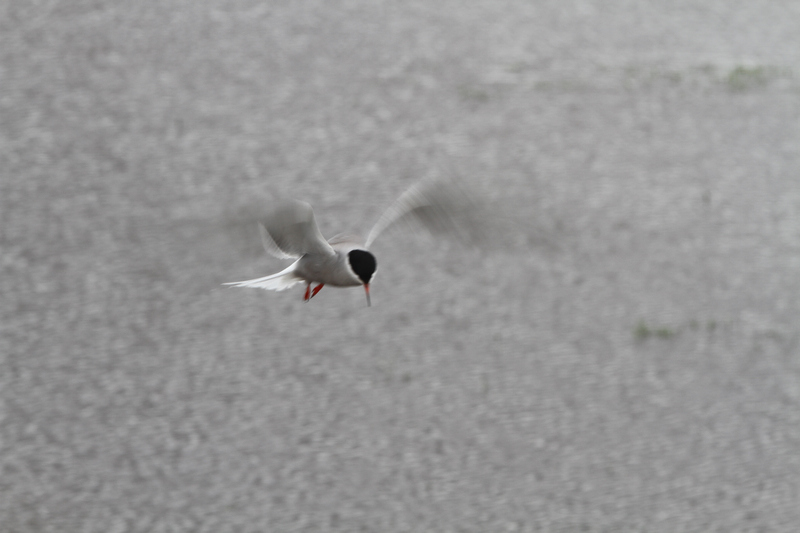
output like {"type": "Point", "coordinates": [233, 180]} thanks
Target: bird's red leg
{"type": "Point", "coordinates": [317, 289]}
{"type": "Point", "coordinates": [308, 292]}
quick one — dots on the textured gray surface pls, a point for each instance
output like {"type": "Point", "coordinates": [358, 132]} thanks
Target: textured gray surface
{"type": "Point", "coordinates": [629, 360]}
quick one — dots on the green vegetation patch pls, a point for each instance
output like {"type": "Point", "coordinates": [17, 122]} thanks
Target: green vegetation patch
{"type": "Point", "coordinates": [643, 332]}
{"type": "Point", "coordinates": [742, 78]}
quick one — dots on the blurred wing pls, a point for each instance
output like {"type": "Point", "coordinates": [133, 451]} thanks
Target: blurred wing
{"type": "Point", "coordinates": [270, 246]}
{"type": "Point", "coordinates": [441, 207]}
{"type": "Point", "coordinates": [291, 232]}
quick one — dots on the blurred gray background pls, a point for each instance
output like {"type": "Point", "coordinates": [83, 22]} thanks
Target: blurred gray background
{"type": "Point", "coordinates": [626, 358]}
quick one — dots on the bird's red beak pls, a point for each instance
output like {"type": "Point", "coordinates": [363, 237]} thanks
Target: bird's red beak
{"type": "Point", "coordinates": [366, 289]}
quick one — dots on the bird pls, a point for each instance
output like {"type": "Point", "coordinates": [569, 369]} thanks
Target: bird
{"type": "Point", "coordinates": [290, 231]}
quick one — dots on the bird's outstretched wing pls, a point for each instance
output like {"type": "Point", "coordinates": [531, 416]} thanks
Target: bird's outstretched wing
{"type": "Point", "coordinates": [291, 231]}
{"type": "Point", "coordinates": [442, 207]}
{"type": "Point", "coordinates": [270, 246]}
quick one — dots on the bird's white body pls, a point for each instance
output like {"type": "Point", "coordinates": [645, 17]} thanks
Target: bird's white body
{"type": "Point", "coordinates": [327, 269]}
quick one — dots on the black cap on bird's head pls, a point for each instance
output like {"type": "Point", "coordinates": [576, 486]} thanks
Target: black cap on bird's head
{"type": "Point", "coordinates": [364, 266]}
